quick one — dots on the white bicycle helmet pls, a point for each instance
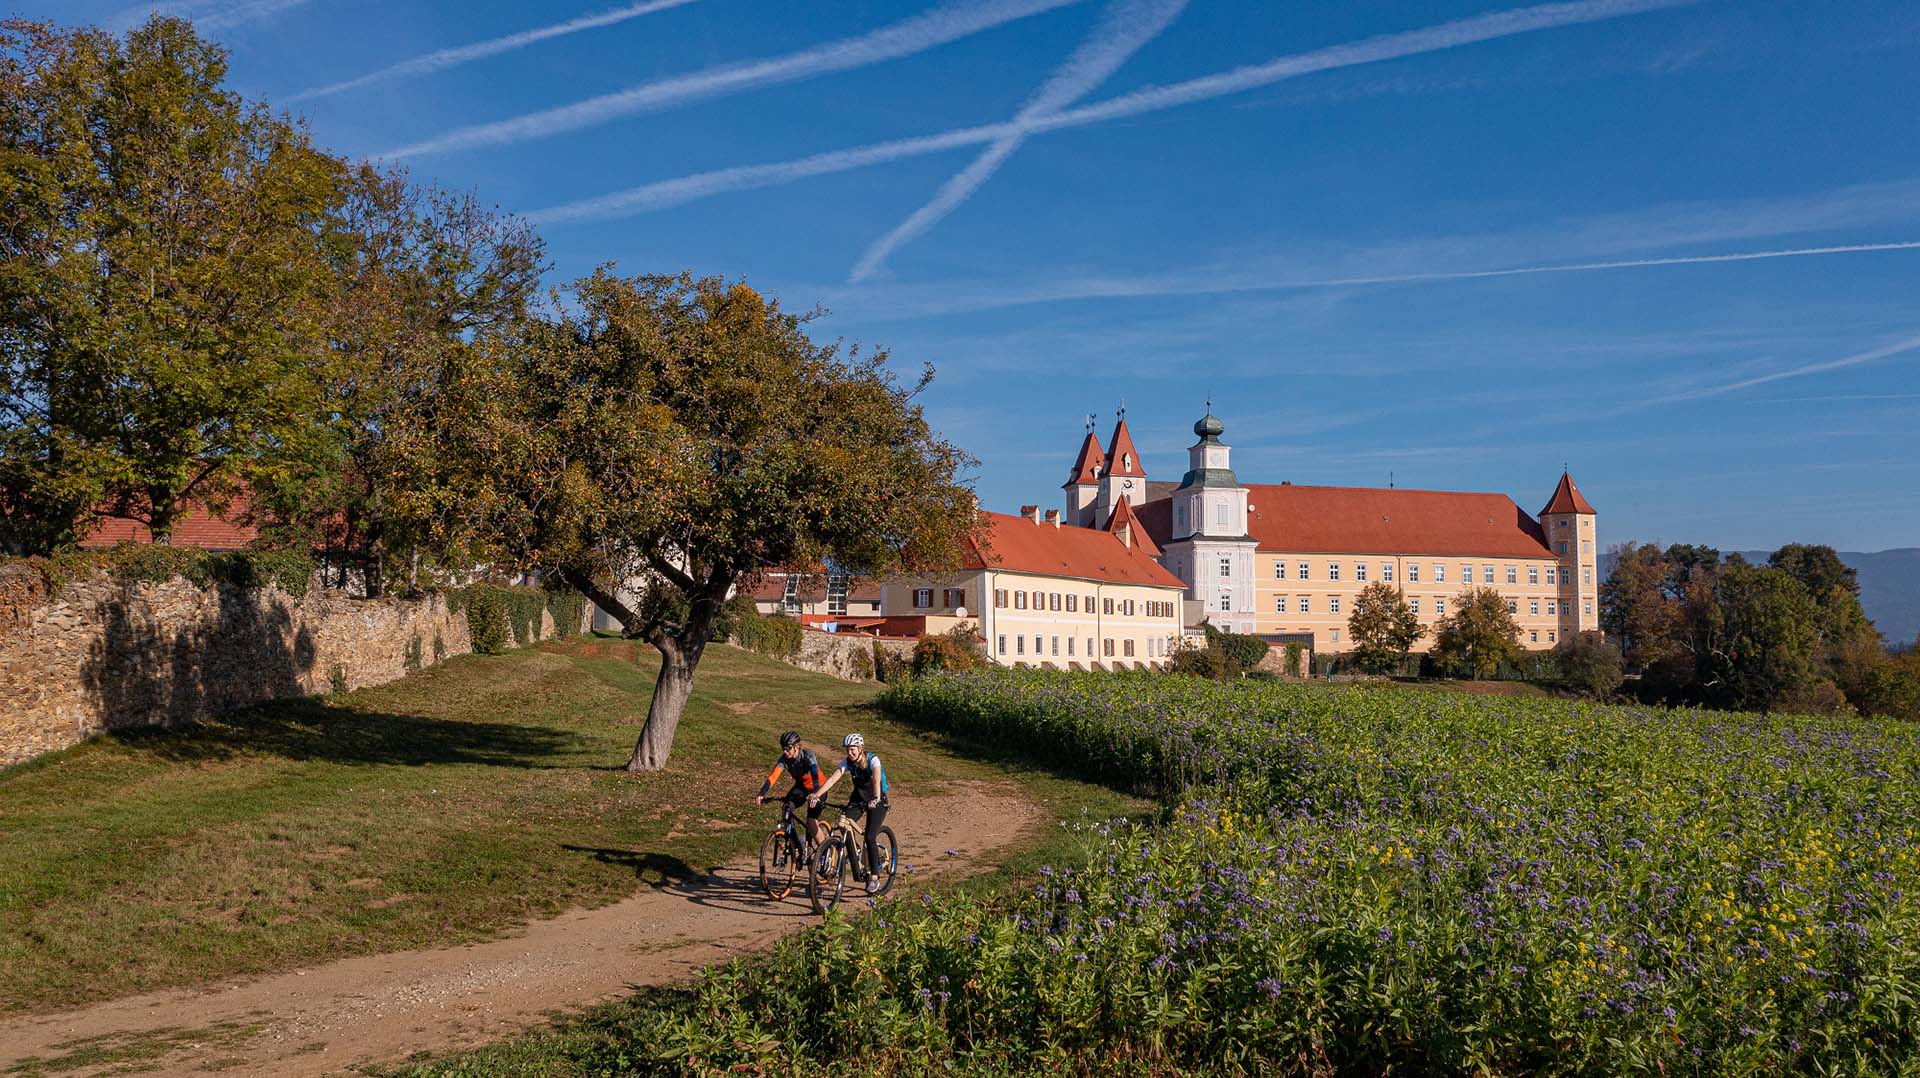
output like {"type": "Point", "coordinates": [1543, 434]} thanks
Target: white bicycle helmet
{"type": "Point", "coordinates": [853, 741]}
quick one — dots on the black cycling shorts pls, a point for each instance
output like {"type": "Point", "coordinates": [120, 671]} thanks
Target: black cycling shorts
{"type": "Point", "coordinates": [797, 797]}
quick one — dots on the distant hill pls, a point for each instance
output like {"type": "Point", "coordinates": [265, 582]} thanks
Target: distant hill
{"type": "Point", "coordinates": [1889, 587]}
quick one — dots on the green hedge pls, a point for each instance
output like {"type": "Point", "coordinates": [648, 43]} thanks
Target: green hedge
{"type": "Point", "coordinates": [776, 635]}
{"type": "Point", "coordinates": [141, 563]}
{"type": "Point", "coordinates": [500, 618]}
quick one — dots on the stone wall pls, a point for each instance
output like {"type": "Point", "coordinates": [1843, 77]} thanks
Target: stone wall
{"type": "Point", "coordinates": [847, 656]}
{"type": "Point", "coordinates": [106, 655]}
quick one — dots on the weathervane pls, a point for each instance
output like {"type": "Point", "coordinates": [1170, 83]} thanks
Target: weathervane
{"type": "Point", "coordinates": [1090, 419]}
{"type": "Point", "coordinates": [1122, 413]}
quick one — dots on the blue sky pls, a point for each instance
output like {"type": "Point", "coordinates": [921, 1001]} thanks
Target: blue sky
{"type": "Point", "coordinates": [1305, 211]}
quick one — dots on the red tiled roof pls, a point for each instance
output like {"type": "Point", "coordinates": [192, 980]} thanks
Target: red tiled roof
{"type": "Point", "coordinates": [1086, 467]}
{"type": "Point", "coordinates": [1020, 545]}
{"type": "Point", "coordinates": [1567, 498]}
{"type": "Point", "coordinates": [772, 587]}
{"type": "Point", "coordinates": [197, 526]}
{"type": "Point", "coordinates": [1123, 514]}
{"type": "Point", "coordinates": [1122, 457]}
{"type": "Point", "coordinates": [1369, 520]}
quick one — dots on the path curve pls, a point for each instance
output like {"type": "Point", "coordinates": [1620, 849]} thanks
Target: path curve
{"type": "Point", "coordinates": [382, 1008]}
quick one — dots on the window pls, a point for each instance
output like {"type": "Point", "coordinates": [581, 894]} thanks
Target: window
{"type": "Point", "coordinates": [1439, 573]}
{"type": "Point", "coordinates": [1549, 636]}
{"type": "Point", "coordinates": [1220, 514]}
{"type": "Point", "coordinates": [1586, 546]}
{"type": "Point", "coordinates": [1127, 648]}
{"type": "Point", "coordinates": [1106, 605]}
{"type": "Point", "coordinates": [1533, 607]}
{"type": "Point", "coordinates": [1003, 643]}
{"type": "Point", "coordinates": [1589, 606]}
{"type": "Point", "coordinates": [1550, 574]}
{"type": "Point", "coordinates": [1513, 607]}
{"type": "Point", "coordinates": [1533, 574]}
{"type": "Point", "coordinates": [1128, 609]}
{"type": "Point", "coordinates": [1019, 600]}
{"type": "Point", "coordinates": [1486, 574]}
{"type": "Point", "coordinates": [1386, 571]}
{"type": "Point", "coordinates": [1303, 606]}
{"type": "Point", "coordinates": [1336, 636]}
{"type": "Point", "coordinates": [1106, 648]}
{"type": "Point", "coordinates": [1071, 597]}
{"type": "Point", "coordinates": [790, 598]}
{"type": "Point", "coordinates": [1512, 572]}
{"type": "Point", "coordinates": [1552, 607]}
{"type": "Point", "coordinates": [1413, 574]}
{"type": "Point", "coordinates": [1333, 605]}
{"type": "Point", "coordinates": [1333, 570]}
{"type": "Point", "coordinates": [1466, 574]}
{"type": "Point", "coordinates": [956, 598]}
{"type": "Point", "coordinates": [1039, 645]}
{"type": "Point", "coordinates": [1413, 605]}
{"type": "Point", "coordinates": [1586, 576]}
{"type": "Point", "coordinates": [1534, 636]}
{"type": "Point", "coordinates": [922, 598]}
{"type": "Point", "coordinates": [1561, 548]}
{"type": "Point", "coordinates": [1069, 647]}
{"type": "Point", "coordinates": [1053, 600]}
{"type": "Point", "coordinates": [1019, 645]}
{"type": "Point", "coordinates": [1226, 601]}
{"type": "Point", "coordinates": [1179, 517]}
{"type": "Point", "coordinates": [1089, 609]}
{"type": "Point", "coordinates": [1279, 570]}
{"type": "Point", "coordinates": [1303, 570]}
{"type": "Point", "coordinates": [1359, 570]}
{"type": "Point", "coordinates": [1056, 645]}
{"type": "Point", "coordinates": [1279, 604]}
{"type": "Point", "coordinates": [1439, 608]}
{"type": "Point", "coordinates": [1000, 598]}
{"type": "Point", "coordinates": [836, 594]}
{"type": "Point", "coordinates": [1039, 599]}
{"type": "Point", "coordinates": [1226, 566]}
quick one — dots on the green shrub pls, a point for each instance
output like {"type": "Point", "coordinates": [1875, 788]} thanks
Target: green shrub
{"type": "Point", "coordinates": [776, 635]}
{"type": "Point", "coordinates": [568, 607]}
{"type": "Point", "coordinates": [488, 619]}
{"type": "Point", "coordinates": [1295, 653]}
{"type": "Point", "coordinates": [145, 563]}
{"type": "Point", "coordinates": [953, 650]}
{"type": "Point", "coordinates": [889, 665]}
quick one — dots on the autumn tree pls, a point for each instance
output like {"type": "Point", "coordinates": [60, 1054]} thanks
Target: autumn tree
{"type": "Point", "coordinates": [1765, 646]}
{"type": "Point", "coordinates": [1383, 627]}
{"type": "Point", "coordinates": [1635, 609]}
{"type": "Point", "coordinates": [658, 441]}
{"type": "Point", "coordinates": [1478, 633]}
{"type": "Point", "coordinates": [165, 276]}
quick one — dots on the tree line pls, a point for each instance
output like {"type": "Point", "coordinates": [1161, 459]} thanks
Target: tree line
{"type": "Point", "coordinates": [199, 306]}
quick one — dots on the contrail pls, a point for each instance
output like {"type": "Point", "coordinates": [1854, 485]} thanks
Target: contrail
{"type": "Point", "coordinates": [1900, 347]}
{"type": "Point", "coordinates": [207, 14]}
{"type": "Point", "coordinates": [1153, 99]}
{"type": "Point", "coordinates": [1575, 267]}
{"type": "Point", "coordinates": [959, 19]}
{"type": "Point", "coordinates": [480, 50]}
{"type": "Point", "coordinates": [1124, 29]}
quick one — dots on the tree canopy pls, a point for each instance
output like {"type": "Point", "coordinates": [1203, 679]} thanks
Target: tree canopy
{"type": "Point", "coordinates": [1478, 634]}
{"type": "Point", "coordinates": [1383, 627]}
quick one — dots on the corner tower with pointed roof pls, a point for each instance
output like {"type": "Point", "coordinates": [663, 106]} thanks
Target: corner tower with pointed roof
{"type": "Point", "coordinates": [1210, 548]}
{"type": "Point", "coordinates": [1122, 477]}
{"type": "Point", "coordinates": [1083, 484]}
{"type": "Point", "coordinates": [1568, 521]}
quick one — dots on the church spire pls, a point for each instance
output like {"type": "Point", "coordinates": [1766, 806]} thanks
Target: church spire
{"type": "Point", "coordinates": [1122, 458]}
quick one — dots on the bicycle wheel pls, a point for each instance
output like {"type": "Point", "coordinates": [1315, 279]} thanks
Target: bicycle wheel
{"type": "Point", "coordinates": [827, 876]}
{"type": "Point", "coordinates": [778, 864]}
{"type": "Point", "coordinates": [889, 862]}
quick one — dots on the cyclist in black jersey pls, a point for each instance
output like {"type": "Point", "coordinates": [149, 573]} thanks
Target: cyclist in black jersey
{"type": "Point", "coordinates": [869, 797]}
{"type": "Point", "coordinates": [803, 767]}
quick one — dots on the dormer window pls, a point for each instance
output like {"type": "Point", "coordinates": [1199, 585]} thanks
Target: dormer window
{"type": "Point", "coordinates": [1126, 464]}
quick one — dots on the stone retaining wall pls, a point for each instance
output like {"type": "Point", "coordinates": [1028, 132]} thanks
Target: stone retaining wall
{"type": "Point", "coordinates": [847, 656]}
{"type": "Point", "coordinates": [106, 655]}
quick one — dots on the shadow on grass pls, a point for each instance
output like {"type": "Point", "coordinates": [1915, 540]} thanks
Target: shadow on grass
{"type": "Point", "coordinates": [654, 869]}
{"type": "Point", "coordinates": [310, 730]}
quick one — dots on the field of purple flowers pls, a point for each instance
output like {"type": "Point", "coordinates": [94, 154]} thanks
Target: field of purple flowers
{"type": "Point", "coordinates": [1356, 880]}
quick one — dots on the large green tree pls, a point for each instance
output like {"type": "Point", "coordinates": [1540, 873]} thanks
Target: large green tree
{"type": "Point", "coordinates": [1634, 606]}
{"type": "Point", "coordinates": [1478, 633]}
{"type": "Point", "coordinates": [658, 441]}
{"type": "Point", "coordinates": [1766, 646]}
{"type": "Point", "coordinates": [166, 269]}
{"type": "Point", "coordinates": [1382, 627]}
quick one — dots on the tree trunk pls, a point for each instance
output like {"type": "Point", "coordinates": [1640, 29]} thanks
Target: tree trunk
{"type": "Point", "coordinates": [605, 599]}
{"type": "Point", "coordinates": [679, 656]}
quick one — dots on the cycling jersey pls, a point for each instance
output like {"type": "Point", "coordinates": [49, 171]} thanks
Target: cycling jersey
{"type": "Point", "coordinates": [869, 779]}
{"type": "Point", "coordinates": [805, 770]}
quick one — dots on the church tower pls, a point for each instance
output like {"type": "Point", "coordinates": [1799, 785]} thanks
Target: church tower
{"type": "Point", "coordinates": [1083, 483]}
{"type": "Point", "coordinates": [1122, 478]}
{"type": "Point", "coordinates": [1568, 521]}
{"type": "Point", "coordinates": [1210, 547]}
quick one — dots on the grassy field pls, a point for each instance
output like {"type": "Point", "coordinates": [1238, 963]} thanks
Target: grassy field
{"type": "Point", "coordinates": [441, 808]}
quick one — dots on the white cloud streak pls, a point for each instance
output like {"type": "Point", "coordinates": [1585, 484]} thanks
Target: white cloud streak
{"type": "Point", "coordinates": [441, 59]}
{"type": "Point", "coordinates": [956, 20]}
{"type": "Point", "coordinates": [1152, 99]}
{"type": "Point", "coordinates": [1124, 28]}
{"type": "Point", "coordinates": [208, 14]}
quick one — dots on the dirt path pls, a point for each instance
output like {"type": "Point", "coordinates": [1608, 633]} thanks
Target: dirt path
{"type": "Point", "coordinates": [383, 1008]}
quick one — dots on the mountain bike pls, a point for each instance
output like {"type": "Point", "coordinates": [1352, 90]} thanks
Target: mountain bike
{"type": "Point", "coordinates": [840, 855]}
{"type": "Point", "coordinates": [784, 854]}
